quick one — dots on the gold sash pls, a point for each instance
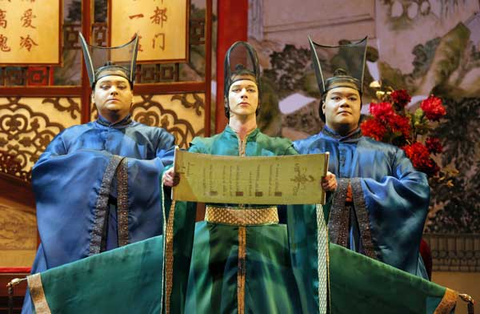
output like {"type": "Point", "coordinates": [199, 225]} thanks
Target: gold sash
{"type": "Point", "coordinates": [241, 216]}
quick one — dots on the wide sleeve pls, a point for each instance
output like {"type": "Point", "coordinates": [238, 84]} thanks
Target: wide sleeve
{"type": "Point", "coordinates": [144, 189]}
{"type": "Point", "coordinates": [397, 208]}
{"type": "Point", "coordinates": [308, 248]}
{"type": "Point", "coordinates": [390, 212]}
{"type": "Point", "coordinates": [124, 280]}
{"type": "Point", "coordinates": [66, 188]}
{"type": "Point", "coordinates": [178, 244]}
{"type": "Point", "coordinates": [362, 285]}
{"type": "Point", "coordinates": [165, 148]}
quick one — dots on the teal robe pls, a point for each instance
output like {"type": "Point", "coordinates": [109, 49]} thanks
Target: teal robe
{"type": "Point", "coordinates": [280, 267]}
{"type": "Point", "coordinates": [129, 280]}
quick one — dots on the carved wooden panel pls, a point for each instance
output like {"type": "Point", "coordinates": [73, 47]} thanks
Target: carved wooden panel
{"type": "Point", "coordinates": [27, 125]}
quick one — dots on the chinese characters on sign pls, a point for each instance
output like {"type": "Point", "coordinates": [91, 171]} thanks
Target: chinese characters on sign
{"type": "Point", "coordinates": [27, 18]}
{"type": "Point", "coordinates": [3, 44]}
{"type": "Point", "coordinates": [27, 42]}
{"type": "Point", "coordinates": [30, 32]}
{"type": "Point", "coordinates": [3, 20]}
{"type": "Point", "coordinates": [159, 16]}
{"type": "Point", "coordinates": [162, 26]}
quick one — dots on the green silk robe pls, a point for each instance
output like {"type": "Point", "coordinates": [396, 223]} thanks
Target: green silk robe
{"type": "Point", "coordinates": [129, 280]}
{"type": "Point", "coordinates": [269, 268]}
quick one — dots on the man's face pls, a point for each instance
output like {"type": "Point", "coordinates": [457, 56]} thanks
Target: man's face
{"type": "Point", "coordinates": [113, 97]}
{"type": "Point", "coordinates": [243, 98]}
{"type": "Point", "coordinates": [342, 109]}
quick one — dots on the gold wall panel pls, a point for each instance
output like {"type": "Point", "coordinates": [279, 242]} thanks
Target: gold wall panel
{"type": "Point", "coordinates": [162, 28]}
{"type": "Point", "coordinates": [30, 32]}
{"type": "Point", "coordinates": [183, 115]}
{"type": "Point", "coordinates": [27, 125]}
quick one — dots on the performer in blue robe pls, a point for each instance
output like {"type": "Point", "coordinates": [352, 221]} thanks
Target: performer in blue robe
{"type": "Point", "coordinates": [86, 176]}
{"type": "Point", "coordinates": [381, 203]}
{"type": "Point", "coordinates": [97, 184]}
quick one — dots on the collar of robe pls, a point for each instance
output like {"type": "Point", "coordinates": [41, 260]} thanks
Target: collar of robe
{"type": "Point", "coordinates": [117, 125]}
{"type": "Point", "coordinates": [353, 136]}
{"type": "Point", "coordinates": [250, 135]}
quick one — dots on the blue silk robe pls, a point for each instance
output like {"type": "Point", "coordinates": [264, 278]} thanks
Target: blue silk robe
{"type": "Point", "coordinates": [97, 188]}
{"type": "Point", "coordinates": [390, 198]}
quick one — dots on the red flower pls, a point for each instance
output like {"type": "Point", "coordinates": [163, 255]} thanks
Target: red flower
{"type": "Point", "coordinates": [383, 111]}
{"type": "Point", "coordinates": [400, 124]}
{"type": "Point", "coordinates": [433, 108]}
{"type": "Point", "coordinates": [420, 157]}
{"type": "Point", "coordinates": [373, 128]}
{"type": "Point", "coordinates": [433, 145]}
{"type": "Point", "coordinates": [400, 97]}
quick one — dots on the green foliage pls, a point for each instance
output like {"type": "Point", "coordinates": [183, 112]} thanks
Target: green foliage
{"type": "Point", "coordinates": [269, 120]}
{"type": "Point", "coordinates": [423, 57]}
{"type": "Point", "coordinates": [461, 140]}
{"type": "Point", "coordinates": [288, 69]}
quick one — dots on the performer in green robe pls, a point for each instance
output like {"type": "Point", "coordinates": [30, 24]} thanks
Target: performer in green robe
{"type": "Point", "coordinates": [240, 259]}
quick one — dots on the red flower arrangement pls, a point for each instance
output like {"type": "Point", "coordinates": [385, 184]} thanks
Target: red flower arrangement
{"type": "Point", "coordinates": [400, 97]}
{"type": "Point", "coordinates": [433, 108]}
{"type": "Point", "coordinates": [420, 157]}
{"type": "Point", "coordinates": [392, 123]}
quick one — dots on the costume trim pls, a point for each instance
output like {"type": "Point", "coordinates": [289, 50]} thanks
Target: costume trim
{"type": "Point", "coordinates": [362, 218]}
{"type": "Point", "coordinates": [242, 146]}
{"type": "Point", "coordinates": [38, 294]}
{"type": "Point", "coordinates": [242, 271]}
{"type": "Point", "coordinates": [338, 221]}
{"type": "Point", "coordinates": [101, 207]}
{"type": "Point", "coordinates": [323, 263]}
{"type": "Point", "coordinates": [237, 216]}
{"type": "Point", "coordinates": [242, 242]}
{"type": "Point", "coordinates": [122, 203]}
{"type": "Point", "coordinates": [352, 136]}
{"type": "Point", "coordinates": [126, 121]}
{"type": "Point", "coordinates": [470, 302]}
{"type": "Point", "coordinates": [164, 232]}
{"type": "Point", "coordinates": [169, 257]}
{"type": "Point", "coordinates": [448, 302]}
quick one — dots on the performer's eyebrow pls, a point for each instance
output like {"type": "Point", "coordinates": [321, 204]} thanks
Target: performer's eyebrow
{"type": "Point", "coordinates": [342, 93]}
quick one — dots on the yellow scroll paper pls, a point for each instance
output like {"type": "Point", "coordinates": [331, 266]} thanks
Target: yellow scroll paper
{"type": "Point", "coordinates": [250, 180]}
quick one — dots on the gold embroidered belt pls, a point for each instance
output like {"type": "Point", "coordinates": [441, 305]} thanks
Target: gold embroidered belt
{"type": "Point", "coordinates": [240, 216]}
